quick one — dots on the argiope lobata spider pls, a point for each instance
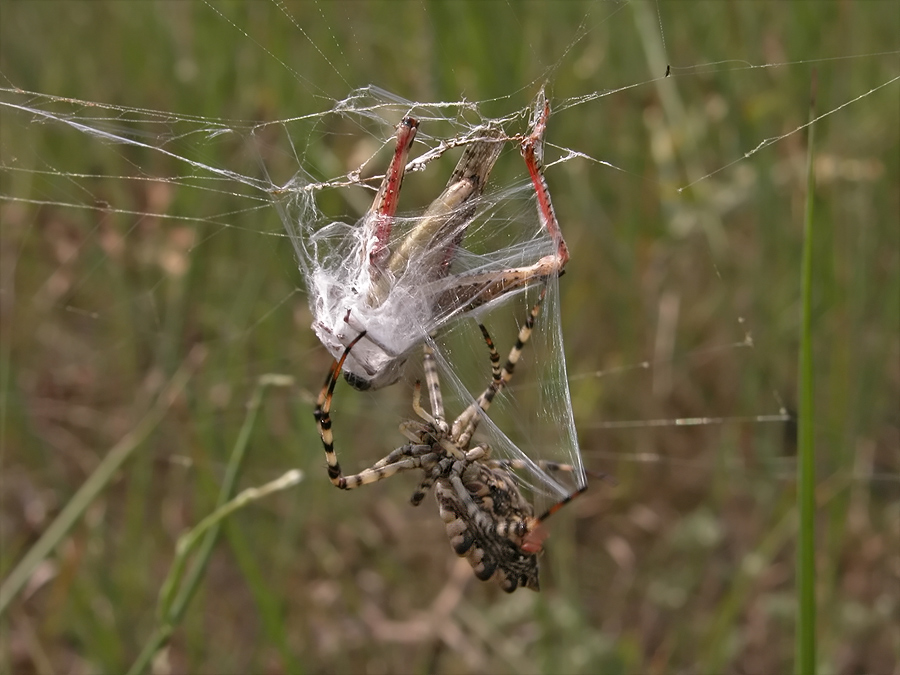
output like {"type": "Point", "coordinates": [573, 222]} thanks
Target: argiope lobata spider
{"type": "Point", "coordinates": [399, 289]}
{"type": "Point", "coordinates": [488, 520]}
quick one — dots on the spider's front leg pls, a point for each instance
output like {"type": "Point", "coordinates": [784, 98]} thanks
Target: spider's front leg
{"type": "Point", "coordinates": [323, 418]}
{"type": "Point", "coordinates": [411, 456]}
{"type": "Point", "coordinates": [437, 424]}
{"type": "Point", "coordinates": [466, 424]}
{"type": "Point", "coordinates": [412, 459]}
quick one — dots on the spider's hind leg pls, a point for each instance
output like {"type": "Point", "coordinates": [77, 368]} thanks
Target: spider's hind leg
{"type": "Point", "coordinates": [466, 424]}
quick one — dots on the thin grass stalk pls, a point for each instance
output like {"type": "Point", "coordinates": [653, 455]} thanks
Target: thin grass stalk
{"type": "Point", "coordinates": [96, 482]}
{"type": "Point", "coordinates": [177, 591]}
{"type": "Point", "coordinates": [805, 658]}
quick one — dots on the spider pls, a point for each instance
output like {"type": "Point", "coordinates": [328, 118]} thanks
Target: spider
{"type": "Point", "coordinates": [399, 290]}
{"type": "Point", "coordinates": [488, 520]}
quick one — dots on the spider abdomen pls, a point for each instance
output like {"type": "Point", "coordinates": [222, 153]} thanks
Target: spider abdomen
{"type": "Point", "coordinates": [486, 530]}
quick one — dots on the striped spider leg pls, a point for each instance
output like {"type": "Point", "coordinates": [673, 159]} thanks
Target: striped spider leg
{"type": "Point", "coordinates": [402, 285]}
{"type": "Point", "coordinates": [488, 520]}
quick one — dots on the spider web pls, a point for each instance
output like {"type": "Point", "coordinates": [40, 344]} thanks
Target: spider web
{"type": "Point", "coordinates": [500, 232]}
{"type": "Point", "coordinates": [122, 192]}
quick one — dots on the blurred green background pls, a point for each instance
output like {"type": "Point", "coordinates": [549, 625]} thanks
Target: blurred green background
{"type": "Point", "coordinates": [687, 564]}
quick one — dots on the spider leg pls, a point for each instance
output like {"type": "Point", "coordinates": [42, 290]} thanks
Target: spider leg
{"type": "Point", "coordinates": [437, 420]}
{"type": "Point", "coordinates": [440, 468]}
{"type": "Point", "coordinates": [533, 538]}
{"type": "Point", "coordinates": [417, 432]}
{"type": "Point", "coordinates": [495, 357]}
{"type": "Point", "coordinates": [422, 489]}
{"type": "Point", "coordinates": [374, 474]}
{"type": "Point", "coordinates": [323, 415]}
{"type": "Point", "coordinates": [434, 388]}
{"type": "Point", "coordinates": [408, 450]}
{"type": "Point", "coordinates": [404, 458]}
{"type": "Point", "coordinates": [417, 405]}
{"type": "Point", "coordinates": [466, 424]}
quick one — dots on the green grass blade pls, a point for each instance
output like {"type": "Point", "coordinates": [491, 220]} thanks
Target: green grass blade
{"type": "Point", "coordinates": [95, 484]}
{"type": "Point", "coordinates": [177, 591]}
{"type": "Point", "coordinates": [805, 663]}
